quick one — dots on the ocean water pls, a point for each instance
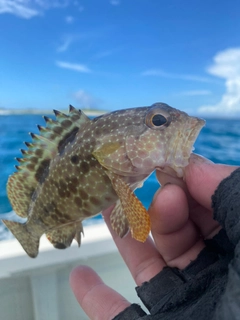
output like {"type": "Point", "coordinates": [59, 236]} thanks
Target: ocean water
{"type": "Point", "coordinates": [219, 141]}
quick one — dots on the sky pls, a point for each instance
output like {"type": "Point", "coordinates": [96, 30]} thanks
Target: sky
{"type": "Point", "coordinates": [116, 54]}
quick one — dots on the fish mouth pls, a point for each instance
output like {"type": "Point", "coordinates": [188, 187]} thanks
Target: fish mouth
{"type": "Point", "coordinates": [183, 145]}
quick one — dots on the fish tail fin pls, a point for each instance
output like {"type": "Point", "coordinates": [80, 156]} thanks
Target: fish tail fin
{"type": "Point", "coordinates": [29, 243]}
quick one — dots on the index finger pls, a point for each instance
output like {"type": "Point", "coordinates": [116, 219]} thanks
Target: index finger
{"type": "Point", "coordinates": [143, 259]}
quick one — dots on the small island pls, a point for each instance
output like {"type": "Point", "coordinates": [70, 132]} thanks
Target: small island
{"type": "Point", "coordinates": [6, 112]}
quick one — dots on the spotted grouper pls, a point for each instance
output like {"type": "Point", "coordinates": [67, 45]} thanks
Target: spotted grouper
{"type": "Point", "coordinates": [76, 167]}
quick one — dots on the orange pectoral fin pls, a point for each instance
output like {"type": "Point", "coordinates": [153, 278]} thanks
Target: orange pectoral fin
{"type": "Point", "coordinates": [137, 216]}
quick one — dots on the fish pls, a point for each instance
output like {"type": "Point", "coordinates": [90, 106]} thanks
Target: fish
{"type": "Point", "coordinates": [76, 167]}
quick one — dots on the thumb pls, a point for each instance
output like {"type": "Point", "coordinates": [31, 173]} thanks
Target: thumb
{"type": "Point", "coordinates": [203, 177]}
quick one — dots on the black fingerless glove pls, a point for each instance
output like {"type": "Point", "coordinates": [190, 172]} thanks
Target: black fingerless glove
{"type": "Point", "coordinates": [209, 287]}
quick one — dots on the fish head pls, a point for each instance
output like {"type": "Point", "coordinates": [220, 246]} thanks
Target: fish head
{"type": "Point", "coordinates": [166, 141]}
{"type": "Point", "coordinates": [148, 138]}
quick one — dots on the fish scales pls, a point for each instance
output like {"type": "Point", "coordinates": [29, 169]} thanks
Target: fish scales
{"type": "Point", "coordinates": [77, 167]}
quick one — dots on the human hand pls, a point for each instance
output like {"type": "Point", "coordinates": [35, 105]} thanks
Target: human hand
{"type": "Point", "coordinates": [181, 218]}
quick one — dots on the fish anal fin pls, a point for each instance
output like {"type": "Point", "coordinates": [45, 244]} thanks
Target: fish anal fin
{"type": "Point", "coordinates": [119, 221]}
{"type": "Point", "coordinates": [28, 241]}
{"type": "Point", "coordinates": [62, 237]}
{"type": "Point", "coordinates": [136, 214]}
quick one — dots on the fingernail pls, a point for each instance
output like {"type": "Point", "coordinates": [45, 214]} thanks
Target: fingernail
{"type": "Point", "coordinates": [196, 158]}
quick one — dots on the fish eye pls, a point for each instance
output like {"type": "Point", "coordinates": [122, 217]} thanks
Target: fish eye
{"type": "Point", "coordinates": [158, 120]}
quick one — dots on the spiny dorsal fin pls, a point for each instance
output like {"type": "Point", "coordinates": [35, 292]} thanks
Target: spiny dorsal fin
{"type": "Point", "coordinates": [34, 165]}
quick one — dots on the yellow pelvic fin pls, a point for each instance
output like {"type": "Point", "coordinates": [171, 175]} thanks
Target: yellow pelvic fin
{"type": "Point", "coordinates": [119, 221]}
{"type": "Point", "coordinates": [136, 214]}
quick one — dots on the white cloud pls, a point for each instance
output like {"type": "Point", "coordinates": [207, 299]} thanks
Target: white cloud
{"type": "Point", "coordinates": [69, 19]}
{"type": "Point", "coordinates": [163, 74]}
{"type": "Point", "coordinates": [196, 93]}
{"type": "Point", "coordinates": [226, 65]}
{"type": "Point", "coordinates": [115, 2]}
{"type": "Point", "coordinates": [86, 100]}
{"type": "Point", "coordinates": [67, 41]}
{"type": "Point", "coordinates": [29, 8]}
{"type": "Point", "coordinates": [79, 6]}
{"type": "Point", "coordinates": [73, 66]}
{"type": "Point", "coordinates": [17, 8]}
{"type": "Point", "coordinates": [103, 54]}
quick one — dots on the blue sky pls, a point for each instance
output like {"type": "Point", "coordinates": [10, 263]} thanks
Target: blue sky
{"type": "Point", "coordinates": [114, 54]}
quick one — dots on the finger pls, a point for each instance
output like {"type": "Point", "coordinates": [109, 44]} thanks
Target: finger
{"type": "Point", "coordinates": [176, 237]}
{"type": "Point", "coordinates": [203, 177]}
{"type": "Point", "coordinates": [142, 259]}
{"type": "Point", "coordinates": [98, 301]}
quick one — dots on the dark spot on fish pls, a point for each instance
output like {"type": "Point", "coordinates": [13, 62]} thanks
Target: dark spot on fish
{"type": "Point", "coordinates": [52, 136]}
{"type": "Point", "coordinates": [75, 117]}
{"type": "Point", "coordinates": [39, 153]}
{"type": "Point", "coordinates": [62, 184]}
{"type": "Point", "coordinates": [75, 159]}
{"type": "Point", "coordinates": [68, 138]}
{"type": "Point", "coordinates": [42, 171]}
{"type": "Point", "coordinates": [73, 183]}
{"type": "Point", "coordinates": [66, 123]}
{"type": "Point", "coordinates": [83, 194]}
{"type": "Point", "coordinates": [59, 245]}
{"type": "Point", "coordinates": [72, 187]}
{"type": "Point", "coordinates": [78, 201]}
{"type": "Point", "coordinates": [58, 130]}
{"type": "Point", "coordinates": [31, 166]}
{"type": "Point", "coordinates": [73, 180]}
{"type": "Point", "coordinates": [84, 167]}
{"type": "Point", "coordinates": [61, 193]}
{"type": "Point", "coordinates": [34, 160]}
{"type": "Point", "coordinates": [95, 201]}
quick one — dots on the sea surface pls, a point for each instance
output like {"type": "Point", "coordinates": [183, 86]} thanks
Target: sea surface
{"type": "Point", "coordinates": [219, 141]}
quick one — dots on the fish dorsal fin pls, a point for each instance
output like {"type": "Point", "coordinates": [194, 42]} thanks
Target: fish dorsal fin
{"type": "Point", "coordinates": [135, 213]}
{"type": "Point", "coordinates": [34, 165]}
